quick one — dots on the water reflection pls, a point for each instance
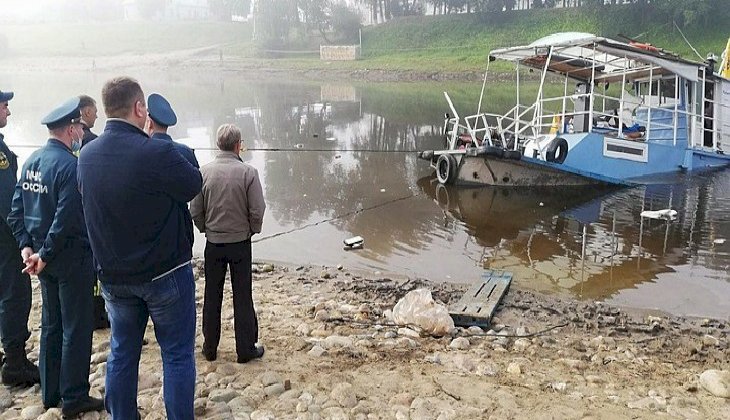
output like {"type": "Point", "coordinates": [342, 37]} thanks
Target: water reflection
{"type": "Point", "coordinates": [336, 161]}
{"type": "Point", "coordinates": [597, 245]}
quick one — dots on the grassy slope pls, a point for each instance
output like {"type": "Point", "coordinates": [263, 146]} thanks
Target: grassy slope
{"type": "Point", "coordinates": [462, 42]}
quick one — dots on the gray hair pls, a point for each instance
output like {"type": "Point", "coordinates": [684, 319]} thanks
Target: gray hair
{"type": "Point", "coordinates": [228, 136]}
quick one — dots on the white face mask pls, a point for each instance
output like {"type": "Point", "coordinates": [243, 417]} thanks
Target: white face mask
{"type": "Point", "coordinates": [75, 142]}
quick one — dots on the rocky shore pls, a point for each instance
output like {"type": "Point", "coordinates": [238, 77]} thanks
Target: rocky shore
{"type": "Point", "coordinates": [332, 352]}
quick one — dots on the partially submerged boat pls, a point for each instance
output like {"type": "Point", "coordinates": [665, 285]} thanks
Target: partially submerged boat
{"type": "Point", "coordinates": [625, 112]}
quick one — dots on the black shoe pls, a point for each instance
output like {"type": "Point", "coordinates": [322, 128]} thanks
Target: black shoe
{"type": "Point", "coordinates": [13, 374]}
{"type": "Point", "coordinates": [256, 353]}
{"type": "Point", "coordinates": [209, 355]}
{"type": "Point", "coordinates": [83, 406]}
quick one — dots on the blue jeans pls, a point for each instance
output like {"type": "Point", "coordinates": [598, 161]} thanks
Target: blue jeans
{"type": "Point", "coordinates": [170, 302]}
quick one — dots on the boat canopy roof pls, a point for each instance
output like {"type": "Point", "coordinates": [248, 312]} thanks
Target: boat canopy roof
{"type": "Point", "coordinates": [579, 54]}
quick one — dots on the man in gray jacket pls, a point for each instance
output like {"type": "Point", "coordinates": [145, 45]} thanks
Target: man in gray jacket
{"type": "Point", "coordinates": [229, 210]}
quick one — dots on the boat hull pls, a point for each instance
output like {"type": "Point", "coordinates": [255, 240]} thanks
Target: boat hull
{"type": "Point", "coordinates": [488, 170]}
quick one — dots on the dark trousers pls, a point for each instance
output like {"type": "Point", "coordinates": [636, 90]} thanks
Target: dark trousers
{"type": "Point", "coordinates": [218, 257]}
{"type": "Point", "coordinates": [15, 293]}
{"type": "Point", "coordinates": [67, 287]}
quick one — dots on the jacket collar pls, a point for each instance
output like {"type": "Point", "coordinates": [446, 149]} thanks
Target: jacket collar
{"type": "Point", "coordinates": [226, 155]}
{"type": "Point", "coordinates": [118, 124]}
{"type": "Point", "coordinates": [58, 144]}
{"type": "Point", "coordinates": [161, 136]}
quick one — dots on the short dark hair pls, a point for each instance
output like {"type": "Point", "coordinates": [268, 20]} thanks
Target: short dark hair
{"type": "Point", "coordinates": [86, 101]}
{"type": "Point", "coordinates": [119, 96]}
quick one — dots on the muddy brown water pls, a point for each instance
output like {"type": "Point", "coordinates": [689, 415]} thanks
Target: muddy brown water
{"type": "Point", "coordinates": [345, 166]}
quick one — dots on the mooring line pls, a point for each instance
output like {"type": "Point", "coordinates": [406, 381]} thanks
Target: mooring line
{"type": "Point", "coordinates": [341, 216]}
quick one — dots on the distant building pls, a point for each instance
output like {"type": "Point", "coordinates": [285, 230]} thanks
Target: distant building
{"type": "Point", "coordinates": [173, 10]}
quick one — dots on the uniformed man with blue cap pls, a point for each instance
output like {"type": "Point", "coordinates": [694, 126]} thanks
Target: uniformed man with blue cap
{"type": "Point", "coordinates": [48, 222]}
{"type": "Point", "coordinates": [160, 117]}
{"type": "Point", "coordinates": [15, 291]}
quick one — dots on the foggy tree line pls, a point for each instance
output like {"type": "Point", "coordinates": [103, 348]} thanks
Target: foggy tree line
{"type": "Point", "coordinates": [683, 11]}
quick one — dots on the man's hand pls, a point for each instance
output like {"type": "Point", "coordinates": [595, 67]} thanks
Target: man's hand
{"type": "Point", "coordinates": [25, 253]}
{"type": "Point", "coordinates": [34, 265]}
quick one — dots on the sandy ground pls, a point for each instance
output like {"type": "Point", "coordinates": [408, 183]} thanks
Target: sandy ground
{"type": "Point", "coordinates": [331, 353]}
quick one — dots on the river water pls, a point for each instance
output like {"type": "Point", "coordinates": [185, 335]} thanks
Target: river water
{"type": "Point", "coordinates": [345, 165]}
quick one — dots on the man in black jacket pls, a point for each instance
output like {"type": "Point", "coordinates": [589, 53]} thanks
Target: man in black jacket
{"type": "Point", "coordinates": [89, 114]}
{"type": "Point", "coordinates": [132, 188]}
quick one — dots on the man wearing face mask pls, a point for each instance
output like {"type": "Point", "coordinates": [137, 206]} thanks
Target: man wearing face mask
{"type": "Point", "coordinates": [48, 222]}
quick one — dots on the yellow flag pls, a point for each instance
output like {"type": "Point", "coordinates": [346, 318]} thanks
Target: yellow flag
{"type": "Point", "coordinates": [725, 69]}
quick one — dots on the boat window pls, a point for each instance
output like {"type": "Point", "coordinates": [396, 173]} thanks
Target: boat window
{"type": "Point", "coordinates": [662, 92]}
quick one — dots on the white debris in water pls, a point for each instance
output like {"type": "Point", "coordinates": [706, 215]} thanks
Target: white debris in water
{"type": "Point", "coordinates": [542, 204]}
{"type": "Point", "coordinates": [718, 241]}
{"type": "Point", "coordinates": [666, 214]}
{"type": "Point", "coordinates": [382, 190]}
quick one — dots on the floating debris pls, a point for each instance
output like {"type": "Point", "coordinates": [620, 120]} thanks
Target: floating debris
{"type": "Point", "coordinates": [666, 214]}
{"type": "Point", "coordinates": [356, 242]}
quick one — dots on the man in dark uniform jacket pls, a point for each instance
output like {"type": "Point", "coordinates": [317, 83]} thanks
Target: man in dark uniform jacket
{"type": "Point", "coordinates": [160, 117]}
{"type": "Point", "coordinates": [89, 114]}
{"type": "Point", "coordinates": [15, 291]}
{"type": "Point", "coordinates": [133, 190]}
{"type": "Point", "coordinates": [48, 222]}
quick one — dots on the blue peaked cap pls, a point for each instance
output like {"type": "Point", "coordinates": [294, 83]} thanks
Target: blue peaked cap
{"type": "Point", "coordinates": [6, 96]}
{"type": "Point", "coordinates": [63, 115]}
{"type": "Point", "coordinates": [160, 110]}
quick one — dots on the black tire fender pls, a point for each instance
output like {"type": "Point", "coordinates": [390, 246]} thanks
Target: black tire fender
{"type": "Point", "coordinates": [557, 150]}
{"type": "Point", "coordinates": [446, 168]}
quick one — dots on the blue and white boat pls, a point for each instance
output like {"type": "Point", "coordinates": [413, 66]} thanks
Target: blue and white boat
{"type": "Point", "coordinates": [606, 112]}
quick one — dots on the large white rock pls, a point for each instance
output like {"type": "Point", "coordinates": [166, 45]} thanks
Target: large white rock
{"type": "Point", "coordinates": [716, 382]}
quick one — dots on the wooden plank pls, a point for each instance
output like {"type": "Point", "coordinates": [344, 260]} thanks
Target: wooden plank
{"type": "Point", "coordinates": [479, 303]}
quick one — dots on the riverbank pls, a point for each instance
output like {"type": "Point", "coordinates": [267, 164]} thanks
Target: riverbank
{"type": "Point", "coordinates": [331, 352]}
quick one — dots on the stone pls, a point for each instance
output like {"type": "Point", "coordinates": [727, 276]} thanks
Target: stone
{"type": "Point", "coordinates": [321, 315]}
{"type": "Point", "coordinates": [649, 403]}
{"type": "Point", "coordinates": [32, 412]}
{"type": "Point", "coordinates": [407, 332]}
{"type": "Point", "coordinates": [474, 330]}
{"type": "Point", "coordinates": [465, 363]}
{"type": "Point", "coordinates": [291, 394]}
{"type": "Point", "coordinates": [227, 369]}
{"type": "Point", "coordinates": [269, 378]}
{"type": "Point", "coordinates": [522, 331]}
{"type": "Point", "coordinates": [460, 343]}
{"type": "Point", "coordinates": [6, 399]}
{"type": "Point", "coordinates": [222, 395]}
{"type": "Point", "coordinates": [716, 382]}
{"type": "Point", "coordinates": [262, 415]}
{"type": "Point", "coordinates": [344, 394]}
{"type": "Point", "coordinates": [514, 369]}
{"type": "Point", "coordinates": [316, 351]}
{"type": "Point", "coordinates": [99, 357]}
{"type": "Point", "coordinates": [51, 414]}
{"type": "Point", "coordinates": [710, 341]}
{"type": "Point", "coordinates": [274, 389]}
{"type": "Point", "coordinates": [334, 341]}
{"type": "Point", "coordinates": [390, 334]}
{"type": "Point", "coordinates": [521, 344]}
{"type": "Point", "coordinates": [335, 413]}
{"type": "Point", "coordinates": [559, 386]}
{"type": "Point", "coordinates": [404, 398]}
{"type": "Point", "coordinates": [304, 329]}
{"type": "Point", "coordinates": [239, 405]}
